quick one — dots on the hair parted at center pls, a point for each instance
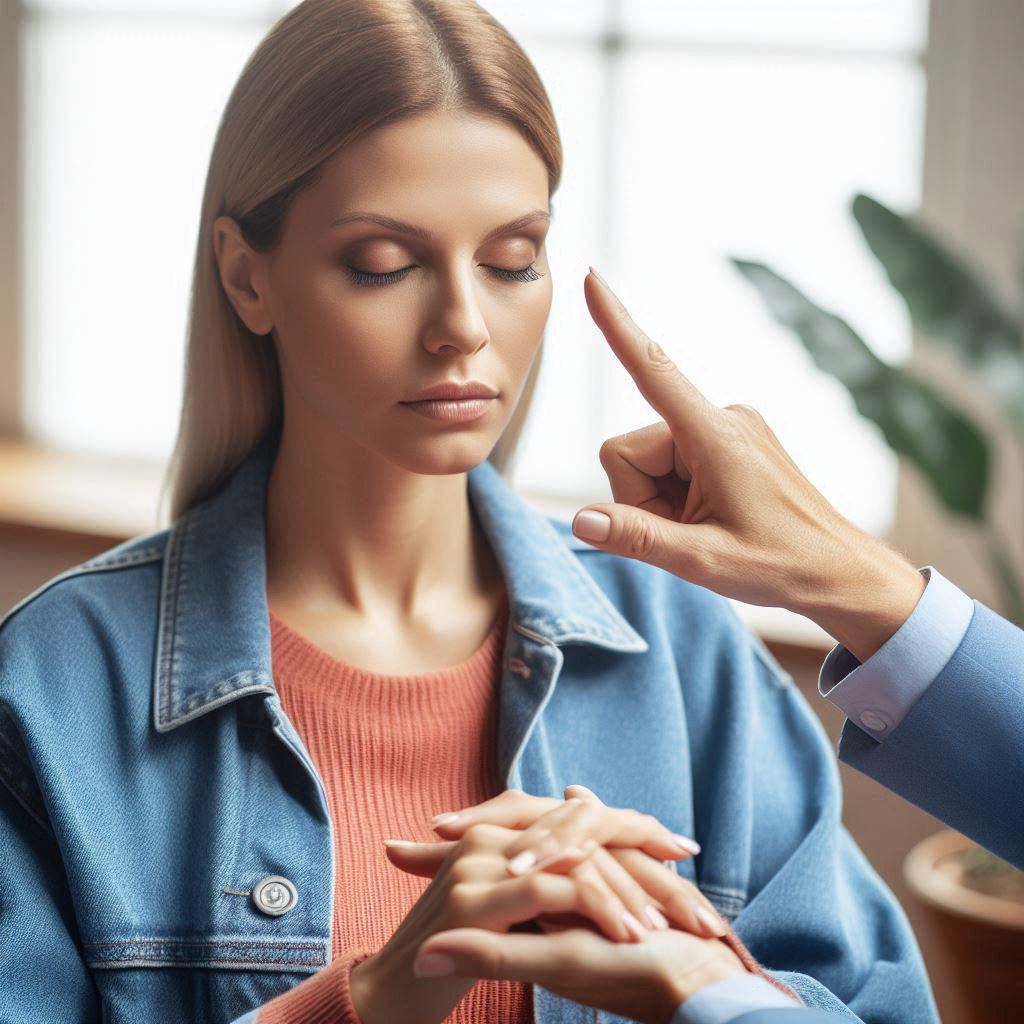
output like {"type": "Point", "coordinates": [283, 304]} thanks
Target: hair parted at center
{"type": "Point", "coordinates": [325, 75]}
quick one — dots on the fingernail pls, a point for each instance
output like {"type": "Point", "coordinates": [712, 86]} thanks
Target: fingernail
{"type": "Point", "coordinates": [443, 819]}
{"type": "Point", "coordinates": [600, 278]}
{"type": "Point", "coordinates": [402, 842]}
{"type": "Point", "coordinates": [709, 920]}
{"type": "Point", "coordinates": [634, 925]}
{"type": "Point", "coordinates": [586, 789]}
{"type": "Point", "coordinates": [656, 917]}
{"type": "Point", "coordinates": [592, 525]}
{"type": "Point", "coordinates": [686, 844]}
{"type": "Point", "coordinates": [433, 965]}
{"type": "Point", "coordinates": [521, 862]}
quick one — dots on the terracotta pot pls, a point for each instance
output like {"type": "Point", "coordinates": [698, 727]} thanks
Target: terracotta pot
{"type": "Point", "coordinates": [982, 936]}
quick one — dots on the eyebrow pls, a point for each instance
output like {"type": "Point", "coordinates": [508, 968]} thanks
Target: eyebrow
{"type": "Point", "coordinates": [408, 229]}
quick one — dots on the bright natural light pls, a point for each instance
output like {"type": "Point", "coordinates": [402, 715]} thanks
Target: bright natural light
{"type": "Point", "coordinates": [723, 127]}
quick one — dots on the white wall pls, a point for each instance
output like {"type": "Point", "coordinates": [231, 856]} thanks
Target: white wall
{"type": "Point", "coordinates": [973, 192]}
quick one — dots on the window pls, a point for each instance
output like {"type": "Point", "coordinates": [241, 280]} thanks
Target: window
{"type": "Point", "coordinates": [693, 130]}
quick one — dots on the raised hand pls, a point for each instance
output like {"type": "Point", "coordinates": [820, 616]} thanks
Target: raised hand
{"type": "Point", "coordinates": [710, 495]}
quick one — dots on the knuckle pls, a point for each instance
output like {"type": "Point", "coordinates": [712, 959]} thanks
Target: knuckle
{"type": "Point", "coordinates": [641, 537]}
{"type": "Point", "coordinates": [609, 450]}
{"type": "Point", "coordinates": [492, 961]}
{"type": "Point", "coordinates": [462, 870]}
{"type": "Point", "coordinates": [479, 836]}
{"type": "Point", "coordinates": [650, 821]}
{"type": "Point", "coordinates": [657, 357]}
{"type": "Point", "coordinates": [535, 888]}
{"type": "Point", "coordinates": [589, 818]}
{"type": "Point", "coordinates": [588, 888]}
{"type": "Point", "coordinates": [748, 413]}
{"type": "Point", "coordinates": [460, 897]}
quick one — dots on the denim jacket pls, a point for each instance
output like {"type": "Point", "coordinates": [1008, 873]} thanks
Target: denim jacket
{"type": "Point", "coordinates": [152, 784]}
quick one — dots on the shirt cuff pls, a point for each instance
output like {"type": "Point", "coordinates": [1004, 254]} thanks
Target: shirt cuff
{"type": "Point", "coordinates": [877, 695]}
{"type": "Point", "coordinates": [725, 1000]}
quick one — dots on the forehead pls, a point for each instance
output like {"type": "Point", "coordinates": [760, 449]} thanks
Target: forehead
{"type": "Point", "coordinates": [427, 167]}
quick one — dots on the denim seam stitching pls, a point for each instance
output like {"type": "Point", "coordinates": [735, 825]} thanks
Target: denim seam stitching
{"type": "Point", "coordinates": [169, 613]}
{"type": "Point", "coordinates": [146, 555]}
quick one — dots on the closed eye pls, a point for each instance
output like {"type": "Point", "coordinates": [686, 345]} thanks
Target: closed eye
{"type": "Point", "coordinates": [365, 277]}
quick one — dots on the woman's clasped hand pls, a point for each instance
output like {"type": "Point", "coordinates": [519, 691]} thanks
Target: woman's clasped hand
{"type": "Point", "coordinates": [590, 913]}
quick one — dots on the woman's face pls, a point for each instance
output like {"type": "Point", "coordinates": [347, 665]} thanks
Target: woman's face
{"type": "Point", "coordinates": [353, 347]}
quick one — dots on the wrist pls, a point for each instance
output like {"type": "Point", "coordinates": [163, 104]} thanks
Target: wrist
{"type": "Point", "coordinates": [685, 980]}
{"type": "Point", "coordinates": [360, 987]}
{"type": "Point", "coordinates": [384, 990]}
{"type": "Point", "coordinates": [870, 591]}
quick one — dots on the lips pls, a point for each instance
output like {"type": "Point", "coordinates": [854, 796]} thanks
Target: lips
{"type": "Point", "coordinates": [453, 391]}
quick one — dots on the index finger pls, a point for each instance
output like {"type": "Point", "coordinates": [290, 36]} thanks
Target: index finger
{"type": "Point", "coordinates": [668, 391]}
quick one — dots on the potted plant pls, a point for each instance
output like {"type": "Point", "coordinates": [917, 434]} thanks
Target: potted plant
{"type": "Point", "coordinates": [975, 903]}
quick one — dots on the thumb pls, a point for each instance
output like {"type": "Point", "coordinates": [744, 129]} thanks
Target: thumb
{"type": "Point", "coordinates": [680, 548]}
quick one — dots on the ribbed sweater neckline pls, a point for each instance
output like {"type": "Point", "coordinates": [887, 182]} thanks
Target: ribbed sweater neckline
{"type": "Point", "coordinates": [303, 656]}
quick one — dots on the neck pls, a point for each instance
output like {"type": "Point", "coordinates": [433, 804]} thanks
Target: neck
{"type": "Point", "coordinates": [350, 531]}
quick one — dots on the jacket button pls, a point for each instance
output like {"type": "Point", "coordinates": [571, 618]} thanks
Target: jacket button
{"type": "Point", "coordinates": [274, 895]}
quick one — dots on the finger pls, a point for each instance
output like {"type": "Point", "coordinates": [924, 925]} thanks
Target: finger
{"type": "Point", "coordinates": [501, 904]}
{"type": "Point", "coordinates": [422, 859]}
{"type": "Point", "coordinates": [683, 903]}
{"type": "Point", "coordinates": [701, 553]}
{"type": "Point", "coordinates": [631, 894]}
{"type": "Point", "coordinates": [511, 808]}
{"type": "Point", "coordinates": [582, 792]}
{"type": "Point", "coordinates": [576, 821]}
{"type": "Point", "coordinates": [563, 861]}
{"type": "Point", "coordinates": [672, 395]}
{"type": "Point", "coordinates": [601, 904]}
{"type": "Point", "coordinates": [646, 469]}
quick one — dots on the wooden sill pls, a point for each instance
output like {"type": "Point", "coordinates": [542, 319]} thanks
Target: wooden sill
{"type": "Point", "coordinates": [46, 488]}
{"type": "Point", "coordinates": [72, 492]}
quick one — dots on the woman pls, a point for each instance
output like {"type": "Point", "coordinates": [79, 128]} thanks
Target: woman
{"type": "Point", "coordinates": [352, 623]}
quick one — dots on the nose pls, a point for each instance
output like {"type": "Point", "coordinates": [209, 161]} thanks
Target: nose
{"type": "Point", "coordinates": [458, 321]}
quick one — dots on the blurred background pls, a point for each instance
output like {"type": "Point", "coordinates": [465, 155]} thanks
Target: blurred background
{"type": "Point", "coordinates": [697, 134]}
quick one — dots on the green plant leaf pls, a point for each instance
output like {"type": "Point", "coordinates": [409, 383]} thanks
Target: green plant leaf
{"type": "Point", "coordinates": [915, 419]}
{"type": "Point", "coordinates": [948, 301]}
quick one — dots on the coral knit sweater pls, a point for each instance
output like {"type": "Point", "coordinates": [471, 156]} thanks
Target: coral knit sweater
{"type": "Point", "coordinates": [393, 751]}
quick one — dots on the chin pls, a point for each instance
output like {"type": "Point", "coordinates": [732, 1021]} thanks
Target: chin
{"type": "Point", "coordinates": [441, 456]}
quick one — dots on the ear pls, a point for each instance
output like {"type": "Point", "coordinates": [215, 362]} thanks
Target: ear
{"type": "Point", "coordinates": [243, 275]}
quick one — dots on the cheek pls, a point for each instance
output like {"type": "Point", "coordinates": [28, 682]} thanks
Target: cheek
{"type": "Point", "coordinates": [340, 338]}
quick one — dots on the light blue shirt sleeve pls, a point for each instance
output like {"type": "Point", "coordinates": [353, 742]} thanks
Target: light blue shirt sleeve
{"type": "Point", "coordinates": [725, 1000]}
{"type": "Point", "coordinates": [876, 695]}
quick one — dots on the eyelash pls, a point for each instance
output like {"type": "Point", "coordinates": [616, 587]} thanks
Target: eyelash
{"type": "Point", "coordinates": [364, 277]}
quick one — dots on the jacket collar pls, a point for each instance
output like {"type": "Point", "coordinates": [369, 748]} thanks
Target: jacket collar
{"type": "Point", "coordinates": [213, 639]}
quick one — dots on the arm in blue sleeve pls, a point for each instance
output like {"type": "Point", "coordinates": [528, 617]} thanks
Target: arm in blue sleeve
{"type": "Point", "coordinates": [780, 1016]}
{"type": "Point", "coordinates": [813, 912]}
{"type": "Point", "coordinates": [876, 695]}
{"type": "Point", "coordinates": [44, 974]}
{"type": "Point", "coordinates": [723, 1001]}
{"type": "Point", "coordinates": [959, 751]}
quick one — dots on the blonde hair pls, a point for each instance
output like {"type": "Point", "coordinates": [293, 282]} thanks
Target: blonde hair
{"type": "Point", "coordinates": [326, 74]}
